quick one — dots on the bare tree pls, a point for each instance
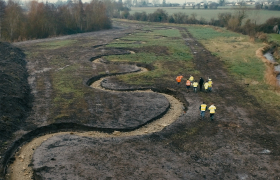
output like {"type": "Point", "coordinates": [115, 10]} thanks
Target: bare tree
{"type": "Point", "coordinates": [241, 13]}
{"type": "Point", "coordinates": [13, 21]}
{"type": "Point", "coordinates": [78, 12]}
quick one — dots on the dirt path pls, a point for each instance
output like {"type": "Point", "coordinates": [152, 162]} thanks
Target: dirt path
{"type": "Point", "coordinates": [20, 169]}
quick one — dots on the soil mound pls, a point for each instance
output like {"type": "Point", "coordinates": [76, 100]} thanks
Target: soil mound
{"type": "Point", "coordinates": [15, 94]}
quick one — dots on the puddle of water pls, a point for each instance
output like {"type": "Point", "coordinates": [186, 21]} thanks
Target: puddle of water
{"type": "Point", "coordinates": [270, 57]}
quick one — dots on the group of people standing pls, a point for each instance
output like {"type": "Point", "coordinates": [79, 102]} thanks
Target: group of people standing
{"type": "Point", "coordinates": [206, 86]}
{"type": "Point", "coordinates": [193, 83]}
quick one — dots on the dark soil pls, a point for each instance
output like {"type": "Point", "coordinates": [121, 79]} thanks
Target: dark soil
{"type": "Point", "coordinates": [15, 96]}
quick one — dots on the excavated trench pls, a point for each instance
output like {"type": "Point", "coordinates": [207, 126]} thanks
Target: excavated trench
{"type": "Point", "coordinates": [268, 55]}
{"type": "Point", "coordinates": [21, 160]}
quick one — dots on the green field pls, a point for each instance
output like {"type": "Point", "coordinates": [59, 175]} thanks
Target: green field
{"type": "Point", "coordinates": [160, 48]}
{"type": "Point", "coordinates": [260, 16]}
{"type": "Point", "coordinates": [239, 55]}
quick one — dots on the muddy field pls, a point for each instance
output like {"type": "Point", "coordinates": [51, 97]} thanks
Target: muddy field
{"type": "Point", "coordinates": [95, 136]}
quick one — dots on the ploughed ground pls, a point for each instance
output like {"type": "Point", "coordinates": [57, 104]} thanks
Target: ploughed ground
{"type": "Point", "coordinates": [241, 143]}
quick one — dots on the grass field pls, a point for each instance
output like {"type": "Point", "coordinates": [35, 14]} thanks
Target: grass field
{"type": "Point", "coordinates": [260, 16]}
{"type": "Point", "coordinates": [274, 38]}
{"type": "Point", "coordinates": [162, 49]}
{"type": "Point", "coordinates": [239, 55]}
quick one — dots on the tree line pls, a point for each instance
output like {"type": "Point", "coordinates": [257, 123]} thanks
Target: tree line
{"type": "Point", "coordinates": [42, 20]}
{"type": "Point", "coordinates": [237, 21]}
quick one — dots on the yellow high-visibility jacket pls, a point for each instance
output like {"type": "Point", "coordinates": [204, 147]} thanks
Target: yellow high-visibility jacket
{"type": "Point", "coordinates": [203, 107]}
{"type": "Point", "coordinates": [206, 85]}
{"type": "Point", "coordinates": [212, 109]}
{"type": "Point", "coordinates": [195, 84]}
{"type": "Point", "coordinates": [210, 83]}
{"type": "Point", "coordinates": [191, 78]}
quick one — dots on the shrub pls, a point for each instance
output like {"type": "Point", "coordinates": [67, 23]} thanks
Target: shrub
{"type": "Point", "coordinates": [267, 27]}
{"type": "Point", "coordinates": [233, 24]}
{"type": "Point", "coordinates": [159, 15]}
{"type": "Point", "coordinates": [262, 36]}
{"type": "Point", "coordinates": [180, 18]}
{"type": "Point", "coordinates": [224, 19]}
{"type": "Point", "coordinates": [249, 28]}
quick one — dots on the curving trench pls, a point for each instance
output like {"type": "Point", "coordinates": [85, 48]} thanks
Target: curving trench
{"type": "Point", "coordinates": [21, 169]}
{"type": "Point", "coordinates": [268, 55]}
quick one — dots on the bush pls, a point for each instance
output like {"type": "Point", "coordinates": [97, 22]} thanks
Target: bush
{"type": "Point", "coordinates": [180, 18]}
{"type": "Point", "coordinates": [233, 24]}
{"type": "Point", "coordinates": [159, 15]}
{"type": "Point", "coordinates": [249, 28]}
{"type": "Point", "coordinates": [213, 5]}
{"type": "Point", "coordinates": [224, 19]}
{"type": "Point", "coordinates": [140, 16]}
{"type": "Point", "coordinates": [125, 14]}
{"type": "Point", "coordinates": [262, 36]}
{"type": "Point", "coordinates": [267, 27]}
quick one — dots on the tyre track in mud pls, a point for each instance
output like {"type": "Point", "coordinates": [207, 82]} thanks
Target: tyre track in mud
{"type": "Point", "coordinates": [21, 169]}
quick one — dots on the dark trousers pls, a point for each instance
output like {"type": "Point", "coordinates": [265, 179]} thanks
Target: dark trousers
{"type": "Point", "coordinates": [200, 87]}
{"type": "Point", "coordinates": [212, 116]}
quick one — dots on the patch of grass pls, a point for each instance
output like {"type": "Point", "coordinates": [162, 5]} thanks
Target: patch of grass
{"type": "Point", "coordinates": [176, 58]}
{"type": "Point", "coordinates": [67, 88]}
{"type": "Point", "coordinates": [56, 44]}
{"type": "Point", "coordinates": [209, 32]}
{"type": "Point", "coordinates": [239, 55]}
{"type": "Point", "coordinates": [274, 38]}
{"type": "Point", "coordinates": [30, 55]}
{"type": "Point", "coordinates": [167, 32]}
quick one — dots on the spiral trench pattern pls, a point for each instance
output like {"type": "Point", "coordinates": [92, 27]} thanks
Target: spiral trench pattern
{"type": "Point", "coordinates": [21, 169]}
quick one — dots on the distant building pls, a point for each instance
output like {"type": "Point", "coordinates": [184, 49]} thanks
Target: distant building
{"type": "Point", "coordinates": [229, 4]}
{"type": "Point", "coordinates": [190, 4]}
{"type": "Point", "coordinates": [250, 3]}
{"type": "Point", "coordinates": [174, 4]}
{"type": "Point", "coordinates": [267, 3]}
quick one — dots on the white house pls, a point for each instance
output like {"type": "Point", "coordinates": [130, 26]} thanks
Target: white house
{"type": "Point", "coordinates": [190, 4]}
{"type": "Point", "coordinates": [250, 3]}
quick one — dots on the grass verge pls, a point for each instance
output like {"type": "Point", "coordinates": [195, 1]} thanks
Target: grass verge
{"type": "Point", "coordinates": [239, 55]}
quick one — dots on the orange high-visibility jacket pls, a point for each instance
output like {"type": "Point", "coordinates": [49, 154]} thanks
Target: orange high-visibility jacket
{"type": "Point", "coordinates": [188, 83]}
{"type": "Point", "coordinates": [179, 78]}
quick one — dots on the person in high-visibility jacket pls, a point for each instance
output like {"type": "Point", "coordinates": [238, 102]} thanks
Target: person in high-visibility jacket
{"type": "Point", "coordinates": [195, 84]}
{"type": "Point", "coordinates": [191, 79]}
{"type": "Point", "coordinates": [179, 79]}
{"type": "Point", "coordinates": [210, 83]}
{"type": "Point", "coordinates": [212, 110]}
{"type": "Point", "coordinates": [206, 86]}
{"type": "Point", "coordinates": [188, 85]}
{"type": "Point", "coordinates": [203, 108]}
